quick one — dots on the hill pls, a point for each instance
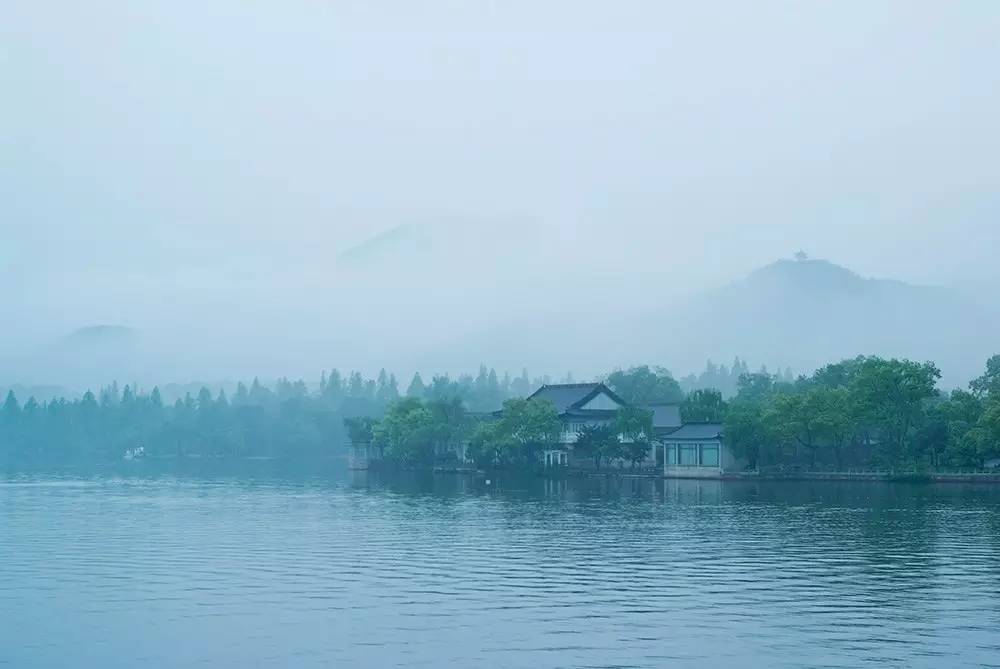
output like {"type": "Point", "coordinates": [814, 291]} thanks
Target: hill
{"type": "Point", "coordinates": [804, 313]}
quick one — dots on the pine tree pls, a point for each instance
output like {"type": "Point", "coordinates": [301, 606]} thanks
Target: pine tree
{"type": "Point", "coordinates": [417, 387]}
{"type": "Point", "coordinates": [258, 394]}
{"type": "Point", "coordinates": [334, 385]}
{"type": "Point", "coordinates": [521, 386]}
{"type": "Point", "coordinates": [356, 385]}
{"type": "Point", "coordinates": [242, 396]}
{"type": "Point", "coordinates": [155, 399]}
{"type": "Point", "coordinates": [11, 409]}
{"type": "Point", "coordinates": [382, 387]}
{"type": "Point", "coordinates": [204, 399]}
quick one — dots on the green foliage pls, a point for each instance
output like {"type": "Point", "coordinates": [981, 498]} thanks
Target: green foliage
{"type": "Point", "coordinates": [893, 395]}
{"type": "Point", "coordinates": [634, 426]}
{"type": "Point", "coordinates": [704, 406]}
{"type": "Point", "coordinates": [641, 385]}
{"type": "Point", "coordinates": [867, 412]}
{"type": "Point", "coordinates": [417, 432]}
{"type": "Point", "coordinates": [747, 432]}
{"type": "Point", "coordinates": [600, 442]}
{"type": "Point", "coordinates": [988, 385]}
{"type": "Point", "coordinates": [528, 425]}
{"type": "Point", "coordinates": [405, 432]}
{"type": "Point", "coordinates": [634, 423]}
{"type": "Point", "coordinates": [360, 429]}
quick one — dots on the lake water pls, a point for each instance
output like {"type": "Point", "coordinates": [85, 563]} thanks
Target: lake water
{"type": "Point", "coordinates": [266, 569]}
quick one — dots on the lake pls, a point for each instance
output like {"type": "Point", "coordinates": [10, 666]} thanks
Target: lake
{"type": "Point", "coordinates": [262, 568]}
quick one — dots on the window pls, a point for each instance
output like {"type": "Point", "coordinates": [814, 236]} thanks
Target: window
{"type": "Point", "coordinates": [687, 455]}
{"type": "Point", "coordinates": [671, 454]}
{"type": "Point", "coordinates": [710, 455]}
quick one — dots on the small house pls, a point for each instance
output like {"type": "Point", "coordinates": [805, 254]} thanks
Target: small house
{"type": "Point", "coordinates": [698, 450]}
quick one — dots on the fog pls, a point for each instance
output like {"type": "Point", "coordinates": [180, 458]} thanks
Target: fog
{"type": "Point", "coordinates": [276, 188]}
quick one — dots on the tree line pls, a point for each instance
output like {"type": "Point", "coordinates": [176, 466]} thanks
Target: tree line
{"type": "Point", "coordinates": [417, 432]}
{"type": "Point", "coordinates": [866, 412]}
{"type": "Point", "coordinates": [285, 418]}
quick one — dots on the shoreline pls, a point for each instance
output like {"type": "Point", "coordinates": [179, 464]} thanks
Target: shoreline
{"type": "Point", "coordinates": [875, 477]}
{"type": "Point", "coordinates": [189, 463]}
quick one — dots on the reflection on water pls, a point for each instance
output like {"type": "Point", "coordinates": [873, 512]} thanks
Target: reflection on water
{"type": "Point", "coordinates": [256, 568]}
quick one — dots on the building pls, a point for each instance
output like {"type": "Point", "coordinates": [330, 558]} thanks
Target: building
{"type": "Point", "coordinates": [698, 450]}
{"type": "Point", "coordinates": [581, 405]}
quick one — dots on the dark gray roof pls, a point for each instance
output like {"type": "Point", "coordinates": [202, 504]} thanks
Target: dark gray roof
{"type": "Point", "coordinates": [566, 396]}
{"type": "Point", "coordinates": [665, 416]}
{"type": "Point", "coordinates": [695, 432]}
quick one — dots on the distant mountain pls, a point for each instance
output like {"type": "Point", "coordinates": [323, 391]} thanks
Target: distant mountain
{"type": "Point", "coordinates": [88, 357]}
{"type": "Point", "coordinates": [805, 313]}
{"type": "Point", "coordinates": [392, 244]}
{"type": "Point", "coordinates": [100, 336]}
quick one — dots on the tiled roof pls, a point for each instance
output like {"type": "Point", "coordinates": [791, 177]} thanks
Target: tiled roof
{"type": "Point", "coordinates": [695, 432]}
{"type": "Point", "coordinates": [566, 396]}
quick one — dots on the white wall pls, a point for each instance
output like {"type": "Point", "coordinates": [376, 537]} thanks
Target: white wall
{"type": "Point", "coordinates": [603, 401]}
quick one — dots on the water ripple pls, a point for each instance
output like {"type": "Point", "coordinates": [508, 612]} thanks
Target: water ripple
{"type": "Point", "coordinates": [361, 572]}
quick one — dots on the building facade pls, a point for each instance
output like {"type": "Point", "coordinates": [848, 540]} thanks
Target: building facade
{"type": "Point", "coordinates": [586, 405]}
{"type": "Point", "coordinates": [698, 450]}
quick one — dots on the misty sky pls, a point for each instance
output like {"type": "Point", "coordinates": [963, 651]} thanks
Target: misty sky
{"type": "Point", "coordinates": [196, 170]}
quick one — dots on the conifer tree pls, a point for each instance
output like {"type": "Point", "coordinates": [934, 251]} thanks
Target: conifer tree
{"type": "Point", "coordinates": [416, 387]}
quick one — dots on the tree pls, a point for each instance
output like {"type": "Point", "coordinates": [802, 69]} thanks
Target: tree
{"type": "Point", "coordinates": [488, 445]}
{"type": "Point", "coordinates": [600, 442]}
{"type": "Point", "coordinates": [449, 425]}
{"type": "Point", "coordinates": [205, 401]}
{"type": "Point", "coordinates": [527, 425]}
{"type": "Point", "coordinates": [11, 408]}
{"type": "Point", "coordinates": [385, 391]}
{"type": "Point", "coordinates": [258, 395]}
{"type": "Point", "coordinates": [634, 427]}
{"type": "Point", "coordinates": [747, 433]}
{"type": "Point", "coordinates": [755, 387]}
{"type": "Point", "coordinates": [334, 391]}
{"type": "Point", "coordinates": [894, 394]}
{"type": "Point", "coordinates": [639, 385]}
{"type": "Point", "coordinates": [360, 429]}
{"type": "Point", "coordinates": [703, 406]}
{"type": "Point", "coordinates": [836, 420]}
{"type": "Point", "coordinates": [988, 385]}
{"type": "Point", "coordinates": [156, 400]}
{"type": "Point", "coordinates": [799, 417]}
{"type": "Point", "coordinates": [632, 422]}
{"type": "Point", "coordinates": [521, 386]}
{"type": "Point", "coordinates": [405, 432]}
{"type": "Point", "coordinates": [416, 387]}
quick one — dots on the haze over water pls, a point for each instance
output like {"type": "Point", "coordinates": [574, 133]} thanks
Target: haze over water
{"type": "Point", "coordinates": [259, 568]}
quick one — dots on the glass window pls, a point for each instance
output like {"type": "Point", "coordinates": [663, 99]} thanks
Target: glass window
{"type": "Point", "coordinates": [688, 455]}
{"type": "Point", "coordinates": [710, 455]}
{"type": "Point", "coordinates": [671, 455]}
